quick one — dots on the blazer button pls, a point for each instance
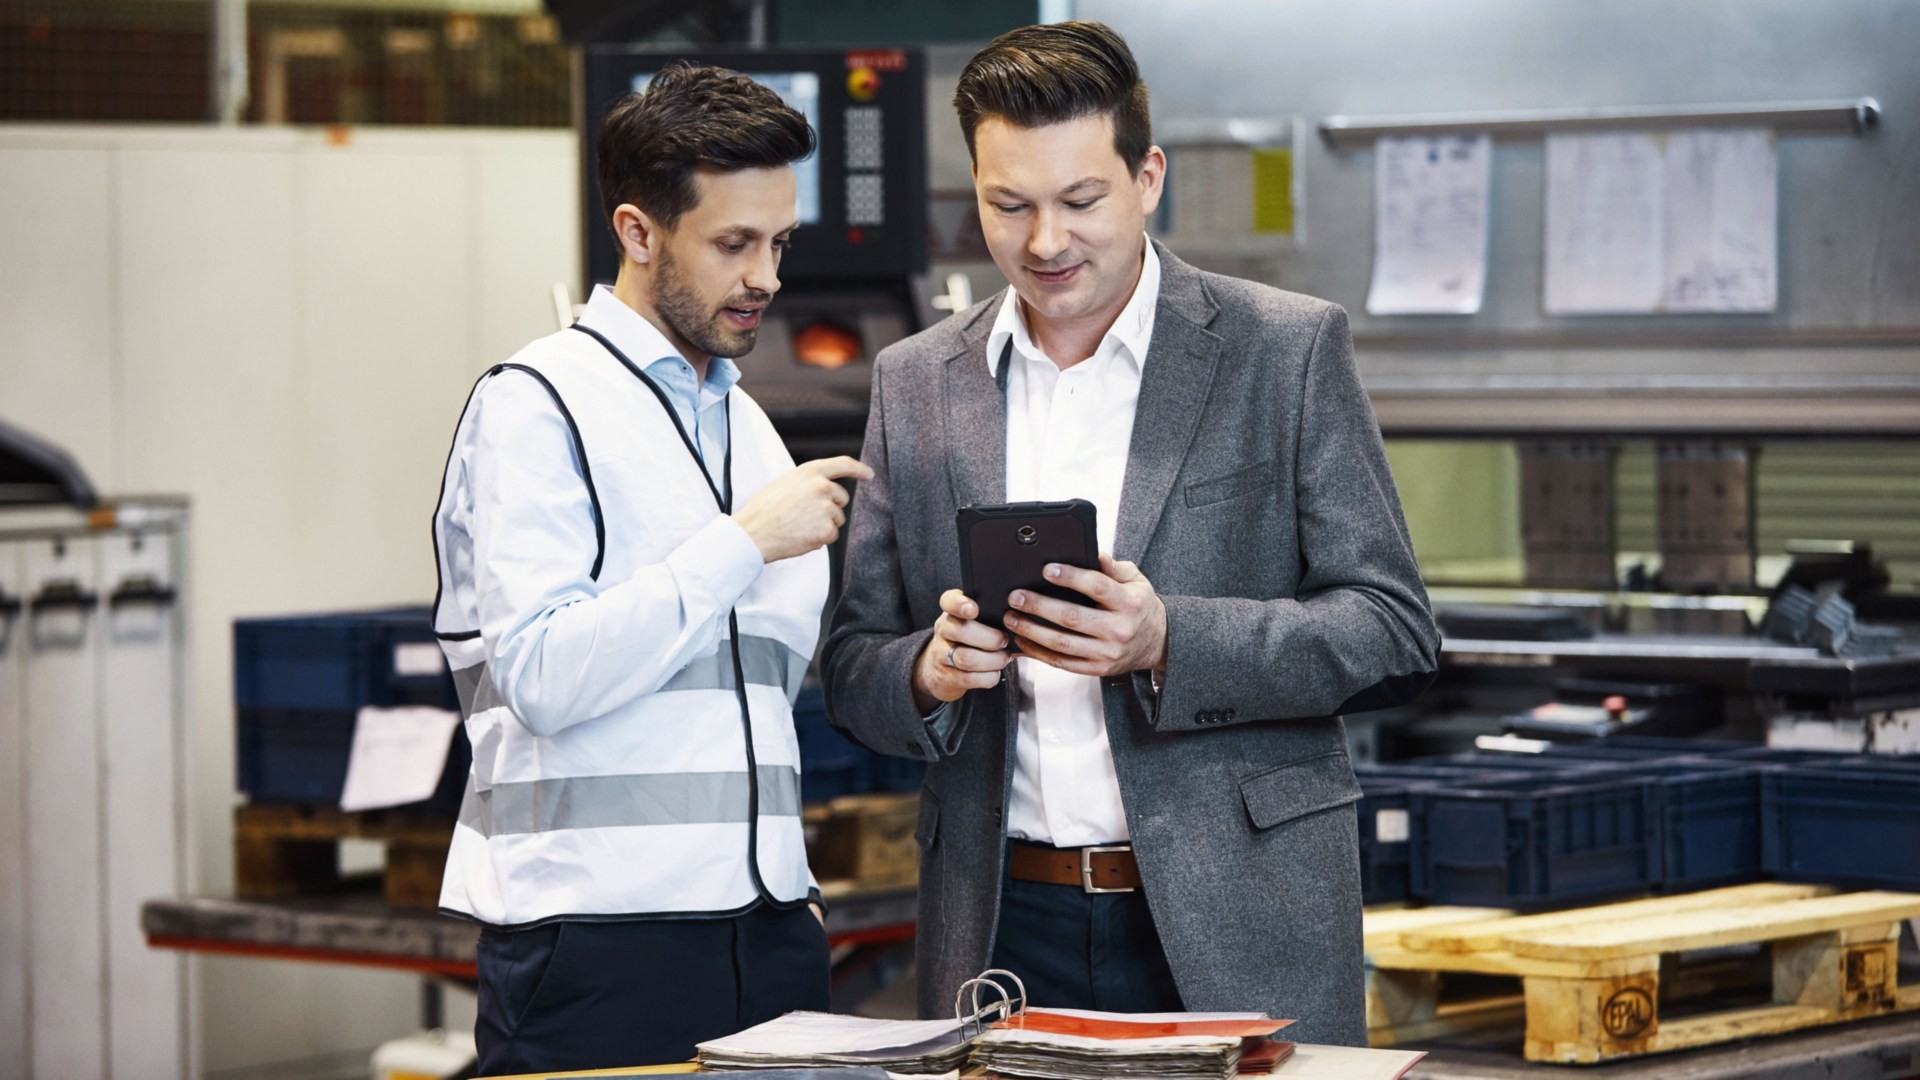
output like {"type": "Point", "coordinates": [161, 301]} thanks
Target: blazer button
{"type": "Point", "coordinates": [1229, 714]}
{"type": "Point", "coordinates": [1200, 717]}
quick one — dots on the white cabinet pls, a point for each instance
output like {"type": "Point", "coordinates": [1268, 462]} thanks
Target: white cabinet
{"type": "Point", "coordinates": [92, 796]}
{"type": "Point", "coordinates": [13, 816]}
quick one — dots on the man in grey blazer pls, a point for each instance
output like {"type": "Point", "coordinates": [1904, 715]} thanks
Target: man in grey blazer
{"type": "Point", "coordinates": [1177, 740]}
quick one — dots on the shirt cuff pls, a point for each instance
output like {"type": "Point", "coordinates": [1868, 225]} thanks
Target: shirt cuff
{"type": "Point", "coordinates": [720, 561]}
{"type": "Point", "coordinates": [944, 727]}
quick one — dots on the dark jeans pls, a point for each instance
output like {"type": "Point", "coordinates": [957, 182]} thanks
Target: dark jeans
{"type": "Point", "coordinates": [604, 995]}
{"type": "Point", "coordinates": [1080, 950]}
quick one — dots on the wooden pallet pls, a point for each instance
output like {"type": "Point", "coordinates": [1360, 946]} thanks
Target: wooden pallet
{"type": "Point", "coordinates": [282, 851]}
{"type": "Point", "coordinates": [1592, 978]}
{"type": "Point", "coordinates": [1406, 1008]}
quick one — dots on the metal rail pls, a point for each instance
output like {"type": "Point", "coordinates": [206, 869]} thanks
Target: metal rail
{"type": "Point", "coordinates": [1858, 115]}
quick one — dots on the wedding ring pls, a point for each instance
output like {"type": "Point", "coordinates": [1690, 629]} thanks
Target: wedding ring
{"type": "Point", "coordinates": [950, 662]}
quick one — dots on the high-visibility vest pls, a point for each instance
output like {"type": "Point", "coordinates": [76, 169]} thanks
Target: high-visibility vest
{"type": "Point", "coordinates": [646, 798]}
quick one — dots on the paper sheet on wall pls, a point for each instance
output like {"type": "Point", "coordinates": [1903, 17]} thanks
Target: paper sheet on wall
{"type": "Point", "coordinates": [398, 755]}
{"type": "Point", "coordinates": [1722, 226]}
{"type": "Point", "coordinates": [1606, 204]}
{"type": "Point", "coordinates": [1430, 225]}
{"type": "Point", "coordinates": [1641, 223]}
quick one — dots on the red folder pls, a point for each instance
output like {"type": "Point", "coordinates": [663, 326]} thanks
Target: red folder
{"type": "Point", "coordinates": [1116, 1026]}
{"type": "Point", "coordinates": [1264, 1056]}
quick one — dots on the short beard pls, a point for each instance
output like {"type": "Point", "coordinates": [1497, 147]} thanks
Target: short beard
{"type": "Point", "coordinates": [680, 307]}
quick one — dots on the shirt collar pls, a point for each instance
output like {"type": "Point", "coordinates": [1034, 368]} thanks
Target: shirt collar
{"type": "Point", "coordinates": [1132, 330]}
{"type": "Point", "coordinates": [645, 345]}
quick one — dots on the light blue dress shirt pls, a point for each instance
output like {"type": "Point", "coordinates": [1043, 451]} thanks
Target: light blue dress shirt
{"type": "Point", "coordinates": [700, 406]}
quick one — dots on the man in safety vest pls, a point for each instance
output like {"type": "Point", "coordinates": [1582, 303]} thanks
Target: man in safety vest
{"type": "Point", "coordinates": [631, 574]}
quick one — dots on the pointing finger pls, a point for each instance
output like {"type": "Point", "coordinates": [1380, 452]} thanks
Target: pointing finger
{"type": "Point", "coordinates": [836, 468]}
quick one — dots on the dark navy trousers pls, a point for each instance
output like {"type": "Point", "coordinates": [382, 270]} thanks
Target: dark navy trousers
{"type": "Point", "coordinates": [1078, 950]}
{"type": "Point", "coordinates": [606, 995]}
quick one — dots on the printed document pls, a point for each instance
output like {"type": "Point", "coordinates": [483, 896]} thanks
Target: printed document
{"type": "Point", "coordinates": [1430, 225]}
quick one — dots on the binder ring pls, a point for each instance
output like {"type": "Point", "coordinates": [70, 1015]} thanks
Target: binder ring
{"type": "Point", "coordinates": [979, 1016]}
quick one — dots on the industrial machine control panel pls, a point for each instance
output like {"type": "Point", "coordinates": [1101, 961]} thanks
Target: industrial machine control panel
{"type": "Point", "coordinates": [846, 281]}
{"type": "Point", "coordinates": [862, 196]}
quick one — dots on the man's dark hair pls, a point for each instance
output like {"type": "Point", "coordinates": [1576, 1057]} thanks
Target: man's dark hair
{"type": "Point", "coordinates": [1040, 75]}
{"type": "Point", "coordinates": [652, 141]}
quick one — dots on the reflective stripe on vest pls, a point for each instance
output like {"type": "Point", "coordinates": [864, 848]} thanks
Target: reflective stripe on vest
{"type": "Point", "coordinates": [601, 802]}
{"type": "Point", "coordinates": [767, 662]}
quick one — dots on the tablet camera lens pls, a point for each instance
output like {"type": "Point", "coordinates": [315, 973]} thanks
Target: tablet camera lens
{"type": "Point", "coordinates": [1026, 534]}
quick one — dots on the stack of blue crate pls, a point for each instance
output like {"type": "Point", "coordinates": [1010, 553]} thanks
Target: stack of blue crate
{"type": "Point", "coordinates": [300, 682]}
{"type": "Point", "coordinates": [1590, 822]}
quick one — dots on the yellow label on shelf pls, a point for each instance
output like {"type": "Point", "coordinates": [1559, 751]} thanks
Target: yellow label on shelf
{"type": "Point", "coordinates": [1273, 191]}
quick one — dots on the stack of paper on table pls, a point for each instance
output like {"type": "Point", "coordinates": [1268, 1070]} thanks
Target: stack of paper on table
{"type": "Point", "coordinates": [808, 1039]}
{"type": "Point", "coordinates": [1071, 1044]}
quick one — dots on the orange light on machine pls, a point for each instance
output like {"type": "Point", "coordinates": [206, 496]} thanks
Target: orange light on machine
{"type": "Point", "coordinates": [823, 343]}
{"type": "Point", "coordinates": [863, 84]}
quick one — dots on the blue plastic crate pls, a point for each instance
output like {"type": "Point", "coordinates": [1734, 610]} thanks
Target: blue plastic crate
{"type": "Point", "coordinates": [300, 756]}
{"type": "Point", "coordinates": [340, 661]}
{"type": "Point", "coordinates": [1387, 822]}
{"type": "Point", "coordinates": [1852, 824]}
{"type": "Point", "coordinates": [1384, 877]}
{"type": "Point", "coordinates": [1535, 840]}
{"type": "Point", "coordinates": [1708, 811]}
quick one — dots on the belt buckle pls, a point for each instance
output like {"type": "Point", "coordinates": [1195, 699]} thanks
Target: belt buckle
{"type": "Point", "coordinates": [1086, 867]}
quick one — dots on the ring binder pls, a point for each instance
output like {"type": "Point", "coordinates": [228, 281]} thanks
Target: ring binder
{"type": "Point", "coordinates": [975, 1021]}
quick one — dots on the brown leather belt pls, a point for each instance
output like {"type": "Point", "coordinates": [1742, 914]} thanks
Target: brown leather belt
{"type": "Point", "coordinates": [1101, 869]}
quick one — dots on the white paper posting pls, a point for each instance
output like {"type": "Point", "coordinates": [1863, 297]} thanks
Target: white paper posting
{"type": "Point", "coordinates": [1430, 225]}
{"type": "Point", "coordinates": [1642, 223]}
{"type": "Point", "coordinates": [1606, 205]}
{"type": "Point", "coordinates": [1392, 826]}
{"type": "Point", "coordinates": [1722, 244]}
{"type": "Point", "coordinates": [419, 658]}
{"type": "Point", "coordinates": [398, 755]}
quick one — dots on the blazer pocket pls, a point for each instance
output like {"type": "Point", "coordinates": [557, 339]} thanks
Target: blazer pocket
{"type": "Point", "coordinates": [1239, 482]}
{"type": "Point", "coordinates": [1294, 790]}
{"type": "Point", "coordinates": [928, 826]}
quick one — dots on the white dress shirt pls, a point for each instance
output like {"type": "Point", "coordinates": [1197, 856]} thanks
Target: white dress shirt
{"type": "Point", "coordinates": [1067, 438]}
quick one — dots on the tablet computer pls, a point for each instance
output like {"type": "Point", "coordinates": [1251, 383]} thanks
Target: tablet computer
{"type": "Point", "coordinates": [1005, 546]}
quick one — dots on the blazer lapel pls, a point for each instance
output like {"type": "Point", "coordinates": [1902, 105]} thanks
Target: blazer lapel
{"type": "Point", "coordinates": [976, 417]}
{"type": "Point", "coordinates": [1173, 395]}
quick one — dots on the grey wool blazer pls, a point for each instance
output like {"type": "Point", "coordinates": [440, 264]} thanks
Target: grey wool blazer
{"type": "Point", "coordinates": [1257, 500]}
